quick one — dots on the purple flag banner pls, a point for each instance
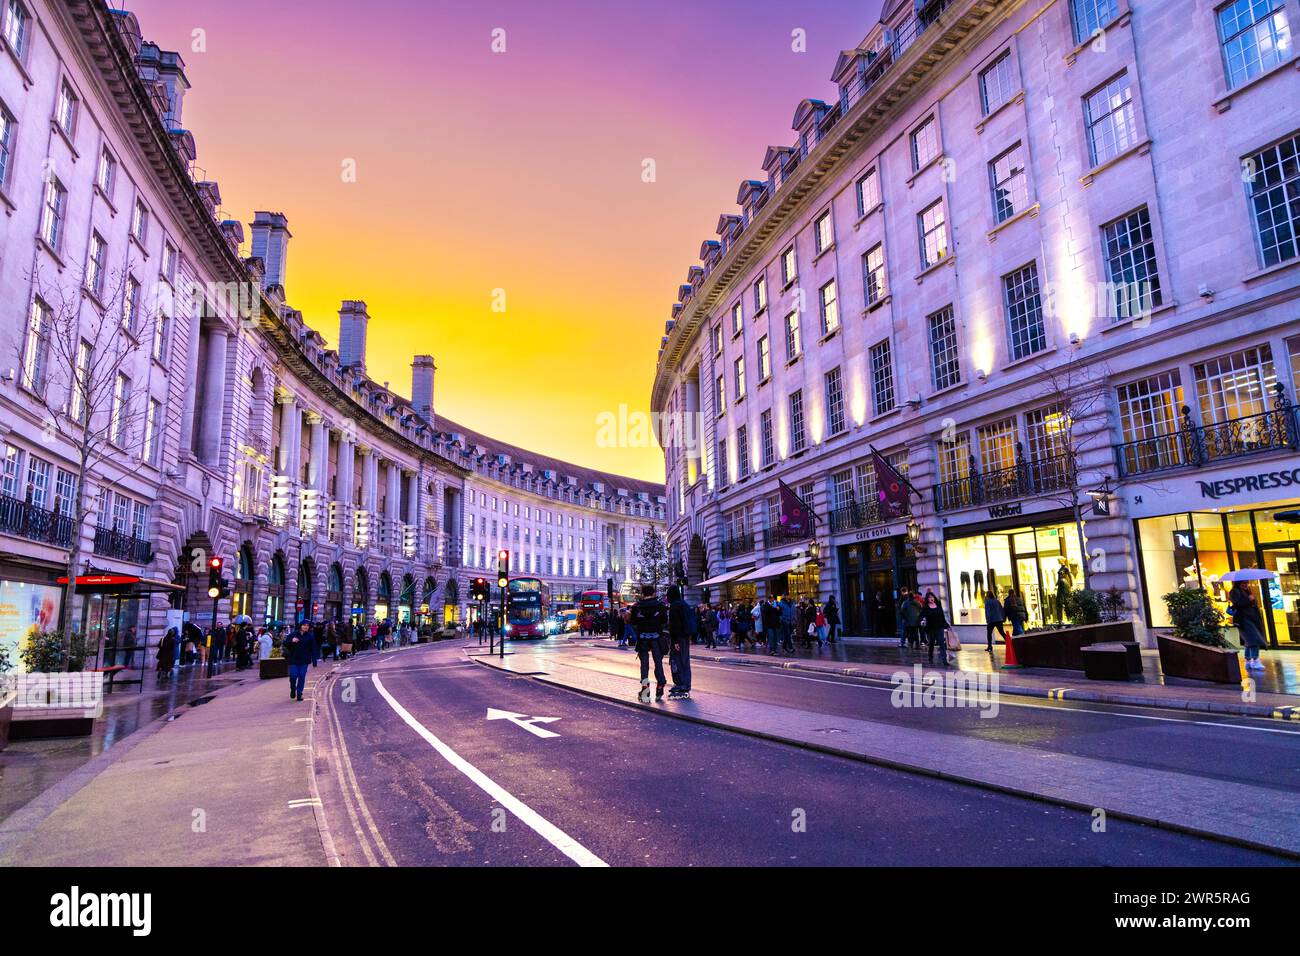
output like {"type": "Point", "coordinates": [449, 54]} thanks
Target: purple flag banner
{"type": "Point", "coordinates": [796, 518]}
{"type": "Point", "coordinates": [891, 488]}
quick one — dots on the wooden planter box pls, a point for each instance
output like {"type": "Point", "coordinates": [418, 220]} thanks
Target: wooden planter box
{"type": "Point", "coordinates": [273, 667]}
{"type": "Point", "coordinates": [1062, 647]}
{"type": "Point", "coordinates": [1181, 658]}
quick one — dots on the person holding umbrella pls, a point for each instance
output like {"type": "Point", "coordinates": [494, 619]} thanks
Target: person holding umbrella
{"type": "Point", "coordinates": [1246, 614]}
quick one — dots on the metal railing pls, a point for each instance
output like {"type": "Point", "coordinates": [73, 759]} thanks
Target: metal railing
{"type": "Point", "coordinates": [26, 520]}
{"type": "Point", "coordinates": [858, 514]}
{"type": "Point", "coordinates": [1194, 445]}
{"type": "Point", "coordinates": [1025, 479]}
{"type": "Point", "coordinates": [738, 544]}
{"type": "Point", "coordinates": [123, 547]}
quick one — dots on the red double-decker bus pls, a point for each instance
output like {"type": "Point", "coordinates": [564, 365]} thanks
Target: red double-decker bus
{"type": "Point", "coordinates": [528, 605]}
{"type": "Point", "coordinates": [590, 605]}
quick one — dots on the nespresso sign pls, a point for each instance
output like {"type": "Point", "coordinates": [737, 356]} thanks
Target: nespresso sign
{"type": "Point", "coordinates": [1265, 481]}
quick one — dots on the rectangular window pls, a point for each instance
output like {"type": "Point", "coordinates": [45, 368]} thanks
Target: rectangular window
{"type": "Point", "coordinates": [933, 234]}
{"type": "Point", "coordinates": [1150, 411]}
{"type": "Point", "coordinates": [834, 402]}
{"type": "Point", "coordinates": [720, 394]}
{"type": "Point", "coordinates": [764, 359]}
{"type": "Point", "coordinates": [789, 270]}
{"type": "Point", "coordinates": [1091, 15]}
{"type": "Point", "coordinates": [760, 294]}
{"type": "Point", "coordinates": [153, 432]}
{"type": "Point", "coordinates": [139, 520]}
{"type": "Point", "coordinates": [842, 488]}
{"type": "Point", "coordinates": [121, 512]}
{"type": "Point", "coordinates": [7, 127]}
{"type": "Point", "coordinates": [996, 83]}
{"type": "Point", "coordinates": [742, 452]}
{"type": "Point", "coordinates": [1047, 435]}
{"type": "Point", "coordinates": [766, 439]}
{"type": "Point", "coordinates": [1131, 265]}
{"type": "Point", "coordinates": [1010, 188]}
{"type": "Point", "coordinates": [822, 234]}
{"type": "Point", "coordinates": [954, 458]}
{"type": "Point", "coordinates": [1108, 114]}
{"type": "Point", "coordinates": [17, 25]}
{"type": "Point", "coordinates": [717, 340]}
{"type": "Point", "coordinates": [737, 319]}
{"type": "Point", "coordinates": [868, 189]}
{"type": "Point", "coordinates": [793, 341]}
{"type": "Point", "coordinates": [12, 465]}
{"type": "Point", "coordinates": [79, 405]}
{"type": "Point", "coordinates": [54, 209]}
{"type": "Point", "coordinates": [117, 426]}
{"type": "Point", "coordinates": [65, 112]}
{"type": "Point", "coordinates": [169, 262]}
{"type": "Point", "coordinates": [798, 433]}
{"type": "Point", "coordinates": [65, 492]}
{"type": "Point", "coordinates": [945, 363]}
{"type": "Point", "coordinates": [830, 308]}
{"type": "Point", "coordinates": [925, 144]}
{"type": "Point", "coordinates": [37, 347]}
{"type": "Point", "coordinates": [997, 444]}
{"type": "Point", "coordinates": [882, 378]}
{"type": "Point", "coordinates": [161, 331]}
{"type": "Point", "coordinates": [1255, 38]}
{"type": "Point", "coordinates": [1235, 386]}
{"type": "Point", "coordinates": [96, 263]}
{"type": "Point", "coordinates": [38, 481]}
{"type": "Point", "coordinates": [722, 463]}
{"type": "Point", "coordinates": [740, 378]}
{"type": "Point", "coordinates": [107, 172]}
{"type": "Point", "coordinates": [1024, 308]}
{"type": "Point", "coordinates": [1274, 191]}
{"type": "Point", "coordinates": [873, 274]}
{"type": "Point", "coordinates": [140, 222]}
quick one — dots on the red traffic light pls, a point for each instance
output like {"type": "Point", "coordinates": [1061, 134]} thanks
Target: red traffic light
{"type": "Point", "coordinates": [215, 563]}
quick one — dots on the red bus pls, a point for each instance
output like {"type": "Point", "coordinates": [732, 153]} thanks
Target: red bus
{"type": "Point", "coordinates": [590, 606]}
{"type": "Point", "coordinates": [528, 605]}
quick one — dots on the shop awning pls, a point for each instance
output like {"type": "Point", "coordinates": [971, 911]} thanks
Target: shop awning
{"type": "Point", "coordinates": [723, 578]}
{"type": "Point", "coordinates": [127, 584]}
{"type": "Point", "coordinates": [776, 568]}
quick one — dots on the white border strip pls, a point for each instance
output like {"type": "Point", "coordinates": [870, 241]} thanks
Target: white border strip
{"type": "Point", "coordinates": [548, 831]}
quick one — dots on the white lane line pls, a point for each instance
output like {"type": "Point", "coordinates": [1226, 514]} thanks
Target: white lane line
{"type": "Point", "coordinates": [548, 831]}
{"type": "Point", "coordinates": [1004, 702]}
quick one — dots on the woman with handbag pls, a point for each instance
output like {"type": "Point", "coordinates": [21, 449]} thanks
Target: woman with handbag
{"type": "Point", "coordinates": [935, 623]}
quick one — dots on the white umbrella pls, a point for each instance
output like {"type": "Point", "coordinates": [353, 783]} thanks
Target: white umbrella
{"type": "Point", "coordinates": [1249, 574]}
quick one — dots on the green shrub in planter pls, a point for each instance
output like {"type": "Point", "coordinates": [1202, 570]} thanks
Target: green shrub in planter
{"type": "Point", "coordinates": [43, 652]}
{"type": "Point", "coordinates": [1113, 605]}
{"type": "Point", "coordinates": [1083, 607]}
{"type": "Point", "coordinates": [1195, 617]}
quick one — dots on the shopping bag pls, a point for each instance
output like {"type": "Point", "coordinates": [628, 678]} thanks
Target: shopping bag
{"type": "Point", "coordinates": [954, 641]}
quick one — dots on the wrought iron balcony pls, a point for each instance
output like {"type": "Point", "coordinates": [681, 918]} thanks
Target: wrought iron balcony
{"type": "Point", "coordinates": [1025, 479]}
{"type": "Point", "coordinates": [861, 515]}
{"type": "Point", "coordinates": [738, 544]}
{"type": "Point", "coordinates": [26, 520]}
{"type": "Point", "coordinates": [1195, 445]}
{"type": "Point", "coordinates": [779, 535]}
{"type": "Point", "coordinates": [124, 547]}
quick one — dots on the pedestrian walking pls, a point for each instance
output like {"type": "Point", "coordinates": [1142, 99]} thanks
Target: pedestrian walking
{"type": "Point", "coordinates": [935, 623]}
{"type": "Point", "coordinates": [911, 612]}
{"type": "Point", "coordinates": [787, 614]}
{"type": "Point", "coordinates": [994, 617]}
{"type": "Point", "coordinates": [300, 650]}
{"type": "Point", "coordinates": [680, 628]}
{"type": "Point", "coordinates": [264, 645]}
{"type": "Point", "coordinates": [1250, 623]}
{"type": "Point", "coordinates": [832, 618]}
{"type": "Point", "coordinates": [819, 622]}
{"type": "Point", "coordinates": [649, 619]}
{"type": "Point", "coordinates": [1013, 609]}
{"type": "Point", "coordinates": [724, 625]}
{"type": "Point", "coordinates": [166, 654]}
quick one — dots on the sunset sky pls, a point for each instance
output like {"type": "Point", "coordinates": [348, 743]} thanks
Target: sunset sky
{"type": "Point", "coordinates": [519, 171]}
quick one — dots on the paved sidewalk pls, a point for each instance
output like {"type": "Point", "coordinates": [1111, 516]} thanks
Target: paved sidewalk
{"type": "Point", "coordinates": [882, 658]}
{"type": "Point", "coordinates": [225, 782]}
{"type": "Point", "coordinates": [1248, 815]}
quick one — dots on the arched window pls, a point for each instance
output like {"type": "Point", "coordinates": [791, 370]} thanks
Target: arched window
{"type": "Point", "coordinates": [406, 604]}
{"type": "Point", "coordinates": [306, 607]}
{"type": "Point", "coordinates": [242, 595]}
{"type": "Point", "coordinates": [384, 598]}
{"type": "Point", "coordinates": [275, 590]}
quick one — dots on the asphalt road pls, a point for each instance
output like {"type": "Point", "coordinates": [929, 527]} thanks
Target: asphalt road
{"type": "Point", "coordinates": [1259, 752]}
{"type": "Point", "coordinates": [412, 772]}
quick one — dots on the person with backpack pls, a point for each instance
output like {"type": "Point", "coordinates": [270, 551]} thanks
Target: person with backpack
{"type": "Point", "coordinates": [683, 626]}
{"type": "Point", "coordinates": [649, 620]}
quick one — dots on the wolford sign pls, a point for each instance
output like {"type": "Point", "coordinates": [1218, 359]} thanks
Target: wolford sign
{"type": "Point", "coordinates": [1265, 481]}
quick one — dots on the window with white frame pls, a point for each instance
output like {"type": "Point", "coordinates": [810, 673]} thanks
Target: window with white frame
{"type": "Point", "coordinates": [96, 264]}
{"type": "Point", "coordinates": [717, 340]}
{"type": "Point", "coordinates": [722, 462]}
{"type": "Point", "coordinates": [925, 143]}
{"type": "Point", "coordinates": [830, 307]}
{"type": "Point", "coordinates": [9, 476]}
{"type": "Point", "coordinates": [17, 27]}
{"type": "Point", "coordinates": [117, 428]}
{"type": "Point", "coordinates": [82, 372]}
{"type": "Point", "coordinates": [8, 126]}
{"type": "Point", "coordinates": [823, 235]}
{"type": "Point", "coordinates": [140, 222]}
{"type": "Point", "coordinates": [1273, 186]}
{"type": "Point", "coordinates": [65, 492]}
{"type": "Point", "coordinates": [1237, 385]}
{"type": "Point", "coordinates": [798, 430]}
{"type": "Point", "coordinates": [1255, 38]}
{"type": "Point", "coordinates": [36, 348]}
{"type": "Point", "coordinates": [835, 422]}
{"type": "Point", "coordinates": [161, 332]}
{"type": "Point", "coordinates": [38, 481]}
{"type": "Point", "coordinates": [789, 269]}
{"type": "Point", "coordinates": [882, 377]}
{"type": "Point", "coordinates": [740, 377]}
{"type": "Point", "coordinates": [873, 274]}
{"type": "Point", "coordinates": [742, 452]}
{"type": "Point", "coordinates": [169, 262]}
{"type": "Point", "coordinates": [139, 520]}
{"type": "Point", "coordinates": [760, 294]}
{"type": "Point", "coordinates": [1089, 16]}
{"type": "Point", "coordinates": [868, 190]}
{"type": "Point", "coordinates": [121, 512]}
{"type": "Point", "coordinates": [53, 210]}
{"type": "Point", "coordinates": [764, 359]}
{"type": "Point", "coordinates": [1131, 265]}
{"type": "Point", "coordinates": [1010, 187]}
{"type": "Point", "coordinates": [842, 489]}
{"type": "Point", "coordinates": [1108, 115]}
{"type": "Point", "coordinates": [1047, 437]}
{"type": "Point", "coordinates": [997, 83]}
{"type": "Point", "coordinates": [954, 458]}
{"type": "Point", "coordinates": [767, 442]}
{"type": "Point", "coordinates": [131, 305]}
{"type": "Point", "coordinates": [153, 432]}
{"type": "Point", "coordinates": [720, 394]}
{"type": "Point", "coordinates": [737, 319]}
{"type": "Point", "coordinates": [933, 234]}
{"type": "Point", "coordinates": [793, 340]}
{"type": "Point", "coordinates": [106, 174]}
{"type": "Point", "coordinates": [997, 445]}
{"type": "Point", "coordinates": [945, 361]}
{"type": "Point", "coordinates": [1024, 310]}
{"type": "Point", "coordinates": [65, 110]}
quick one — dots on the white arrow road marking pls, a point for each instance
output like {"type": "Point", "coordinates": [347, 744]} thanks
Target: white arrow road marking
{"type": "Point", "coordinates": [548, 831]}
{"type": "Point", "coordinates": [524, 721]}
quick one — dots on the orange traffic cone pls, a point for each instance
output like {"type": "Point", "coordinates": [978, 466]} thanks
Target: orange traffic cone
{"type": "Point", "coordinates": [1011, 661]}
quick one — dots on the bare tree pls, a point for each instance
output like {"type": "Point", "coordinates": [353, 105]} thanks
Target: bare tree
{"type": "Point", "coordinates": [76, 359]}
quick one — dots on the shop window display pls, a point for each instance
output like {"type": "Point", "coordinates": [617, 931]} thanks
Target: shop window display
{"type": "Point", "coordinates": [1043, 564]}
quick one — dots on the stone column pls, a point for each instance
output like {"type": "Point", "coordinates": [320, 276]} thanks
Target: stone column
{"type": "Point", "coordinates": [189, 422]}
{"type": "Point", "coordinates": [413, 499]}
{"type": "Point", "coordinates": [369, 481]}
{"type": "Point", "coordinates": [318, 464]}
{"type": "Point", "coordinates": [288, 409]}
{"type": "Point", "coordinates": [394, 477]}
{"type": "Point", "coordinates": [214, 396]}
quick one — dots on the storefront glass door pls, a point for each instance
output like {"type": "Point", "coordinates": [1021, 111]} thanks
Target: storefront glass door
{"type": "Point", "coordinates": [1281, 598]}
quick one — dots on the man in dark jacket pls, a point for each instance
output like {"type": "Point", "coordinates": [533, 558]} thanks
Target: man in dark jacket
{"type": "Point", "coordinates": [649, 620]}
{"type": "Point", "coordinates": [832, 617]}
{"type": "Point", "coordinates": [679, 637]}
{"type": "Point", "coordinates": [299, 650]}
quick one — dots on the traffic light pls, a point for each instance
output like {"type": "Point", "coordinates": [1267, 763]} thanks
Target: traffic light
{"type": "Point", "coordinates": [215, 583]}
{"type": "Point", "coordinates": [478, 591]}
{"type": "Point", "coordinates": [503, 568]}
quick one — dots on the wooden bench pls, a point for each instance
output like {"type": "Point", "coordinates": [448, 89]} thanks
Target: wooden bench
{"type": "Point", "coordinates": [111, 671]}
